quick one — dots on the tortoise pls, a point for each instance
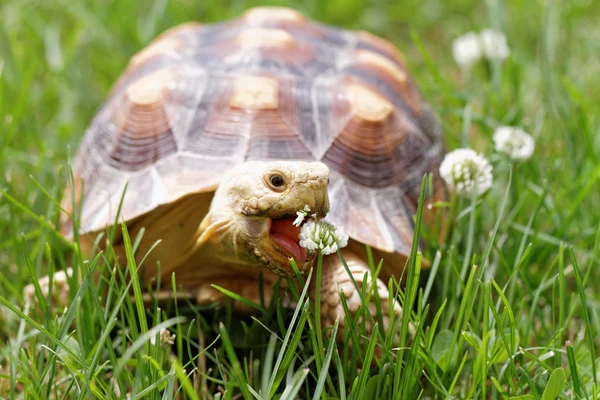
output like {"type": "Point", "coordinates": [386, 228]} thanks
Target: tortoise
{"type": "Point", "coordinates": [222, 132]}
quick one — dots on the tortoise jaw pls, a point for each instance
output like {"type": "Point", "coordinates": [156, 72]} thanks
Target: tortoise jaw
{"type": "Point", "coordinates": [279, 243]}
{"type": "Point", "coordinates": [285, 237]}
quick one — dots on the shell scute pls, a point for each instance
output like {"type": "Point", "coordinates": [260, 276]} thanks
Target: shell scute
{"type": "Point", "coordinates": [187, 170]}
{"type": "Point", "coordinates": [379, 64]}
{"type": "Point", "coordinates": [187, 32]}
{"type": "Point", "coordinates": [354, 207]}
{"type": "Point", "coordinates": [137, 131]}
{"type": "Point", "coordinates": [368, 41]}
{"type": "Point", "coordinates": [270, 14]}
{"type": "Point", "coordinates": [255, 93]}
{"type": "Point", "coordinates": [217, 128]}
{"type": "Point", "coordinates": [295, 23]}
{"type": "Point", "coordinates": [294, 59]}
{"type": "Point", "coordinates": [374, 141]}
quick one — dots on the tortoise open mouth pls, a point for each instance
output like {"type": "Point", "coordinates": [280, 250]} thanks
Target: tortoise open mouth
{"type": "Point", "coordinates": [286, 236]}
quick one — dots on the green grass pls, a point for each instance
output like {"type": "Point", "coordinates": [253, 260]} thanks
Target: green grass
{"type": "Point", "coordinates": [510, 307]}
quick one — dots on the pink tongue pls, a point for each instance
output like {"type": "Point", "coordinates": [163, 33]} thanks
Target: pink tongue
{"type": "Point", "coordinates": [285, 234]}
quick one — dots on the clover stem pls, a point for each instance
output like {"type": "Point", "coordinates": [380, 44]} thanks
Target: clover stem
{"type": "Point", "coordinates": [318, 300]}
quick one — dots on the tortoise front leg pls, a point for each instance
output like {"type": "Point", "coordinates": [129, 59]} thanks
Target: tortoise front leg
{"type": "Point", "coordinates": [336, 282]}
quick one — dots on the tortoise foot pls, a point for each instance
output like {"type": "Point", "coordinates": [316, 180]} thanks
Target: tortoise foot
{"type": "Point", "coordinates": [336, 283]}
{"type": "Point", "coordinates": [60, 288]}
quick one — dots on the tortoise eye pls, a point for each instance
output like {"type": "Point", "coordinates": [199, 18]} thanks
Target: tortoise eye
{"type": "Point", "coordinates": [277, 181]}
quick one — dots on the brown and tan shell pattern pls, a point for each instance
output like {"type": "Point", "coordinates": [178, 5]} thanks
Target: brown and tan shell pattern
{"type": "Point", "coordinates": [269, 85]}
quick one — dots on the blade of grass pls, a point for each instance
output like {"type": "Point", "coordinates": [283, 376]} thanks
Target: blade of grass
{"type": "Point", "coordinates": [325, 367]}
{"type": "Point", "coordinates": [137, 290]}
{"type": "Point", "coordinates": [411, 284]}
{"type": "Point", "coordinates": [276, 377]}
{"type": "Point", "coordinates": [237, 372]}
{"type": "Point", "coordinates": [586, 316]}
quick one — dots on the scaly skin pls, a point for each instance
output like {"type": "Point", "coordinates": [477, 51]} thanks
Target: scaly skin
{"type": "Point", "coordinates": [336, 282]}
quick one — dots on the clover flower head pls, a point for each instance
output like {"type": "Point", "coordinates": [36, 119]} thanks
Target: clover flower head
{"type": "Point", "coordinates": [493, 44]}
{"type": "Point", "coordinates": [301, 214]}
{"type": "Point", "coordinates": [322, 236]}
{"type": "Point", "coordinates": [515, 142]}
{"type": "Point", "coordinates": [466, 50]}
{"type": "Point", "coordinates": [464, 169]}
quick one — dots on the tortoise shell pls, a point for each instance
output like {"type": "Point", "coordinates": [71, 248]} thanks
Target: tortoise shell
{"type": "Point", "coordinates": [270, 85]}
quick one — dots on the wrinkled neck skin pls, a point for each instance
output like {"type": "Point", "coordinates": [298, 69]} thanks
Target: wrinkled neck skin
{"type": "Point", "coordinates": [179, 227]}
{"type": "Point", "coordinates": [230, 234]}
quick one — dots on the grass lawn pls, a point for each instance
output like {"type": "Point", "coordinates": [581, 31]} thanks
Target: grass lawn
{"type": "Point", "coordinates": [509, 310]}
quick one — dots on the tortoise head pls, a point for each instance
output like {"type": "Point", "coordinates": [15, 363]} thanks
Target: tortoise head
{"type": "Point", "coordinates": [253, 211]}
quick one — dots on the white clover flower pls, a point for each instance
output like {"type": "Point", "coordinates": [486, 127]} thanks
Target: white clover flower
{"type": "Point", "coordinates": [493, 44]}
{"type": "Point", "coordinates": [466, 50]}
{"type": "Point", "coordinates": [301, 215]}
{"type": "Point", "coordinates": [322, 236]}
{"type": "Point", "coordinates": [462, 169]}
{"type": "Point", "coordinates": [513, 141]}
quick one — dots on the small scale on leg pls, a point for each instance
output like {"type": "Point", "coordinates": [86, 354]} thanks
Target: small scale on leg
{"type": "Point", "coordinates": [335, 281]}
